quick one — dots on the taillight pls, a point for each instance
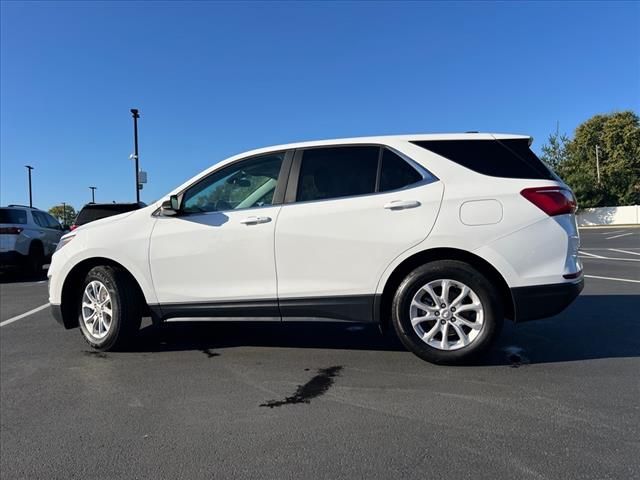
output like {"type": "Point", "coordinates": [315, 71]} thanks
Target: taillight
{"type": "Point", "coordinates": [551, 200]}
{"type": "Point", "coordinates": [11, 230]}
{"type": "Point", "coordinates": [73, 227]}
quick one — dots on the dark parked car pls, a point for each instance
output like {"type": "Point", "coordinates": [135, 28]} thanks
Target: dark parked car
{"type": "Point", "coordinates": [95, 211]}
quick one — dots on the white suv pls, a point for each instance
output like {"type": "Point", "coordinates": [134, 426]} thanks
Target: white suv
{"type": "Point", "coordinates": [28, 237]}
{"type": "Point", "coordinates": [441, 236]}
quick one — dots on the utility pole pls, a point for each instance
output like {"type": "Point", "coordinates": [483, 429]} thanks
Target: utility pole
{"type": "Point", "coordinates": [136, 116]}
{"type": "Point", "coordinates": [93, 194]}
{"type": "Point", "coordinates": [29, 168]}
{"type": "Point", "coordinates": [64, 213]}
{"type": "Point", "coordinates": [598, 163]}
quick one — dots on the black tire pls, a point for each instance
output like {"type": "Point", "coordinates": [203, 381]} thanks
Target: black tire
{"type": "Point", "coordinates": [125, 306]}
{"type": "Point", "coordinates": [35, 259]}
{"type": "Point", "coordinates": [460, 272]}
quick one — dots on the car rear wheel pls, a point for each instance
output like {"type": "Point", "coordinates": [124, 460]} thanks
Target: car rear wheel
{"type": "Point", "coordinates": [35, 258]}
{"type": "Point", "coordinates": [446, 312]}
{"type": "Point", "coordinates": [109, 310]}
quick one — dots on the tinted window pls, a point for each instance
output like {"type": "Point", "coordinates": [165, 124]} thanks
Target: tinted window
{"type": "Point", "coordinates": [337, 172]}
{"type": "Point", "coordinates": [94, 212]}
{"type": "Point", "coordinates": [247, 184]}
{"type": "Point", "coordinates": [396, 172]}
{"type": "Point", "coordinates": [10, 215]}
{"type": "Point", "coordinates": [51, 222]}
{"type": "Point", "coordinates": [40, 218]}
{"type": "Point", "coordinates": [503, 158]}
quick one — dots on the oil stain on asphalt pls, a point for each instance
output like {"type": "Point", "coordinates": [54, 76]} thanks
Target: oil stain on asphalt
{"type": "Point", "coordinates": [209, 353]}
{"type": "Point", "coordinates": [314, 388]}
{"type": "Point", "coordinates": [95, 354]}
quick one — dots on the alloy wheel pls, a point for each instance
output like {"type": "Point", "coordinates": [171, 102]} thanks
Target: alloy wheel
{"type": "Point", "coordinates": [446, 314]}
{"type": "Point", "coordinates": [97, 312]}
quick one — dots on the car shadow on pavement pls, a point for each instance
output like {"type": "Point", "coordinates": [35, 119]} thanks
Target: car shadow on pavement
{"type": "Point", "coordinates": [595, 326]}
{"type": "Point", "coordinates": [18, 276]}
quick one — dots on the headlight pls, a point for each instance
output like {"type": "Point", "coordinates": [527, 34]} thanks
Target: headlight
{"type": "Point", "coordinates": [64, 240]}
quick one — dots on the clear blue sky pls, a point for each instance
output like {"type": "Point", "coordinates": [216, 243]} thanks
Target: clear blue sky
{"type": "Point", "coordinates": [214, 79]}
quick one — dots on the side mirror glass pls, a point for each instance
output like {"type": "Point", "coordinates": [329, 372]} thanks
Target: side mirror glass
{"type": "Point", "coordinates": [170, 207]}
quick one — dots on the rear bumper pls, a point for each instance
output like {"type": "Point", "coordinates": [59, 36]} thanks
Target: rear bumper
{"type": "Point", "coordinates": [541, 301]}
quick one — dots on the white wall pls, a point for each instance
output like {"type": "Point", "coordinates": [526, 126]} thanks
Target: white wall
{"type": "Point", "coordinates": [609, 216]}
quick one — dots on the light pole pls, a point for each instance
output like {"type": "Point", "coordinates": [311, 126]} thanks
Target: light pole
{"type": "Point", "coordinates": [64, 213]}
{"type": "Point", "coordinates": [93, 194]}
{"type": "Point", "coordinates": [29, 168]}
{"type": "Point", "coordinates": [598, 163]}
{"type": "Point", "coordinates": [136, 116]}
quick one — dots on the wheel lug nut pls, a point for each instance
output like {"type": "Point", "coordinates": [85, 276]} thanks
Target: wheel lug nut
{"type": "Point", "coordinates": [453, 319]}
{"type": "Point", "coordinates": [437, 313]}
{"type": "Point", "coordinates": [443, 305]}
{"type": "Point", "coordinates": [443, 322]}
{"type": "Point", "coordinates": [453, 309]}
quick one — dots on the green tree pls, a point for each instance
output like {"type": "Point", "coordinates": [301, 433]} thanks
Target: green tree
{"type": "Point", "coordinates": [554, 153]}
{"type": "Point", "coordinates": [617, 137]}
{"type": "Point", "coordinates": [68, 214]}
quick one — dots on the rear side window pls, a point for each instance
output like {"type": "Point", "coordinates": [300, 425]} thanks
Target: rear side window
{"type": "Point", "coordinates": [40, 218]}
{"type": "Point", "coordinates": [498, 158]}
{"type": "Point", "coordinates": [396, 172]}
{"type": "Point", "coordinates": [52, 222]}
{"type": "Point", "coordinates": [337, 172]}
{"type": "Point", "coordinates": [11, 215]}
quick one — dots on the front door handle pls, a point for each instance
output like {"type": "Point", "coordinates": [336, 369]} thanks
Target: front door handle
{"type": "Point", "coordinates": [402, 204]}
{"type": "Point", "coordinates": [255, 220]}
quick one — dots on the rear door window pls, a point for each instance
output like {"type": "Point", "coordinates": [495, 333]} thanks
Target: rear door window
{"type": "Point", "coordinates": [52, 222]}
{"type": "Point", "coordinates": [337, 172]}
{"type": "Point", "coordinates": [40, 219]}
{"type": "Point", "coordinates": [510, 158]}
{"type": "Point", "coordinates": [396, 172]}
{"type": "Point", "coordinates": [13, 215]}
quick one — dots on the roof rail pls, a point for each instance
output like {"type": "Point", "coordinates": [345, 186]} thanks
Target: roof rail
{"type": "Point", "coordinates": [22, 206]}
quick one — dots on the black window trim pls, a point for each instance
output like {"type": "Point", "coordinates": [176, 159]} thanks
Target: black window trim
{"type": "Point", "coordinates": [278, 194]}
{"type": "Point", "coordinates": [294, 175]}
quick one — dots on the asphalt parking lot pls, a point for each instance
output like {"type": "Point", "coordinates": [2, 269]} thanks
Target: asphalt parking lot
{"type": "Point", "coordinates": [556, 398]}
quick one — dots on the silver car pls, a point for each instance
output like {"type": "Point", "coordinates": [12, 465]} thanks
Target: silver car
{"type": "Point", "coordinates": [28, 237]}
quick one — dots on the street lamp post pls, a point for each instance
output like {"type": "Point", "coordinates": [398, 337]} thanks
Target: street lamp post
{"type": "Point", "coordinates": [29, 168]}
{"type": "Point", "coordinates": [136, 116]}
{"type": "Point", "coordinates": [93, 194]}
{"type": "Point", "coordinates": [598, 163]}
{"type": "Point", "coordinates": [64, 213]}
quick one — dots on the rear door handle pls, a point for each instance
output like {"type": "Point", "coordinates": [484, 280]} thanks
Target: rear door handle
{"type": "Point", "coordinates": [402, 204]}
{"type": "Point", "coordinates": [255, 220]}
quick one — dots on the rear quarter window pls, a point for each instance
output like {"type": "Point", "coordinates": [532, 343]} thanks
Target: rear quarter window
{"type": "Point", "coordinates": [13, 215]}
{"type": "Point", "coordinates": [497, 158]}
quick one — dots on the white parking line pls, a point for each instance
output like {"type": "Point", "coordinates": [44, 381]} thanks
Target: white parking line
{"type": "Point", "coordinates": [612, 233]}
{"type": "Point", "coordinates": [590, 254]}
{"type": "Point", "coordinates": [624, 251]}
{"type": "Point", "coordinates": [618, 236]}
{"type": "Point", "coordinates": [612, 278]}
{"type": "Point", "coordinates": [611, 258]}
{"type": "Point", "coordinates": [25, 314]}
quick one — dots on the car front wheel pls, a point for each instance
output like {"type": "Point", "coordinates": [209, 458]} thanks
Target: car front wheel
{"type": "Point", "coordinates": [109, 311]}
{"type": "Point", "coordinates": [446, 312]}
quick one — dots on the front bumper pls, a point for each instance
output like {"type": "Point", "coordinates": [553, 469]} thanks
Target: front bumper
{"type": "Point", "coordinates": [541, 301]}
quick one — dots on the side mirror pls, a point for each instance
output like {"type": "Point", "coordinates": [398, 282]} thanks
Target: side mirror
{"type": "Point", "coordinates": [170, 207]}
